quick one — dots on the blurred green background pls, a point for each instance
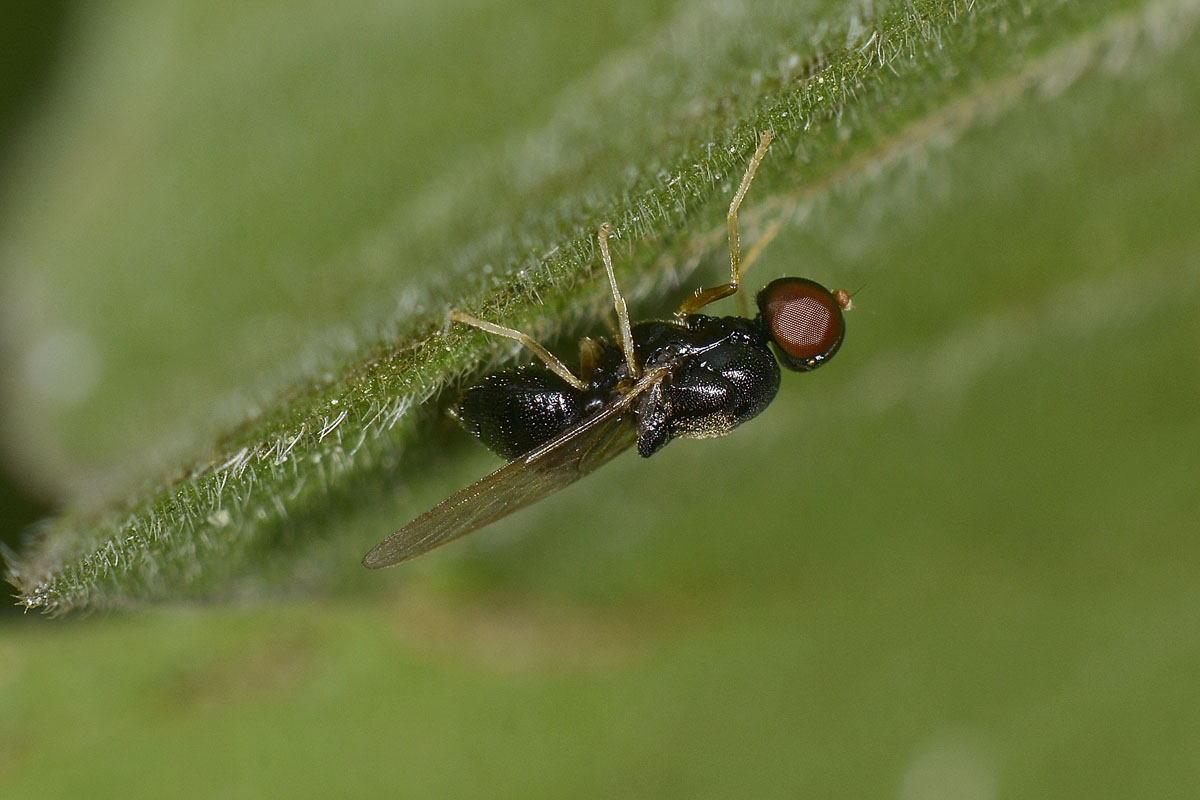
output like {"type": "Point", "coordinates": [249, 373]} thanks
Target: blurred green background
{"type": "Point", "coordinates": [959, 562]}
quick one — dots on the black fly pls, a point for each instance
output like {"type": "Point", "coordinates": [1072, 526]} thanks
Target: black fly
{"type": "Point", "coordinates": [692, 376]}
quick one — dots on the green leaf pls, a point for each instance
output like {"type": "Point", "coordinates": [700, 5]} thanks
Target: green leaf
{"type": "Point", "coordinates": [260, 221]}
{"type": "Point", "coordinates": [959, 561]}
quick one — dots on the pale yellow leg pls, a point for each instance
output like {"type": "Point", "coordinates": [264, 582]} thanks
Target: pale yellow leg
{"type": "Point", "coordinates": [624, 331]}
{"type": "Point", "coordinates": [710, 295]}
{"type": "Point", "coordinates": [557, 367]}
{"type": "Point", "coordinates": [589, 355]}
{"type": "Point", "coordinates": [752, 255]}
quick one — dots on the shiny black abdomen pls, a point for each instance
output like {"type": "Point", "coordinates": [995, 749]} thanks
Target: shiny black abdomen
{"type": "Point", "coordinates": [723, 373]}
{"type": "Point", "coordinates": [516, 410]}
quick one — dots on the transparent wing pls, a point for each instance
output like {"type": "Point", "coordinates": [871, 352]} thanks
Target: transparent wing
{"type": "Point", "coordinates": [553, 466]}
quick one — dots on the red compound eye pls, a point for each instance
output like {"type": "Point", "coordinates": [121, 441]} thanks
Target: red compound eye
{"type": "Point", "coordinates": [805, 321]}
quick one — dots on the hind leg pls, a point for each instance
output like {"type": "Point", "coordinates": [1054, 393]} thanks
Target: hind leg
{"type": "Point", "coordinates": [549, 359]}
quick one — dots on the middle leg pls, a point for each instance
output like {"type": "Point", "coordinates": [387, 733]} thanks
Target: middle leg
{"type": "Point", "coordinates": [624, 332]}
